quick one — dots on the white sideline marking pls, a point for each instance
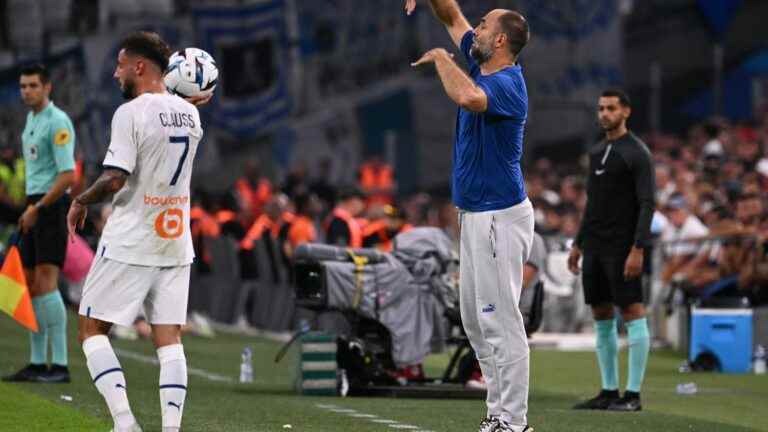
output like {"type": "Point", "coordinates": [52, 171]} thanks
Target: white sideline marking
{"type": "Point", "coordinates": [343, 410]}
{"type": "Point", "coordinates": [370, 417]}
{"type": "Point", "coordinates": [202, 373]}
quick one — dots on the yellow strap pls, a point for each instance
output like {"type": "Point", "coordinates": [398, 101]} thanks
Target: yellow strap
{"type": "Point", "coordinates": [360, 262]}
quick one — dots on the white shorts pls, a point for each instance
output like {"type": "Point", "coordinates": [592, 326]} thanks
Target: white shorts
{"type": "Point", "coordinates": [115, 292]}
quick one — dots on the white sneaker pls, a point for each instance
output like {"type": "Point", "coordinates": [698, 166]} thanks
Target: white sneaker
{"type": "Point", "coordinates": [489, 424]}
{"type": "Point", "coordinates": [507, 427]}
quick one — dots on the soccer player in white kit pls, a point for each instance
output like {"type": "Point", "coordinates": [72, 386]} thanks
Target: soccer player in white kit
{"type": "Point", "coordinates": [145, 251]}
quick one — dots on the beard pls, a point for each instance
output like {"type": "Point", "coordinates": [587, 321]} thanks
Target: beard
{"type": "Point", "coordinates": [610, 126]}
{"type": "Point", "coordinates": [128, 88]}
{"type": "Point", "coordinates": [480, 53]}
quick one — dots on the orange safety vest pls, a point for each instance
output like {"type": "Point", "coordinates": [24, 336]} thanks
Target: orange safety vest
{"type": "Point", "coordinates": [355, 232]}
{"type": "Point", "coordinates": [254, 199]}
{"type": "Point", "coordinates": [302, 230]}
{"type": "Point", "coordinates": [376, 176]}
{"type": "Point", "coordinates": [380, 228]}
{"type": "Point", "coordinates": [205, 224]}
{"type": "Point", "coordinates": [378, 181]}
{"type": "Point", "coordinates": [263, 223]}
{"type": "Point", "coordinates": [224, 216]}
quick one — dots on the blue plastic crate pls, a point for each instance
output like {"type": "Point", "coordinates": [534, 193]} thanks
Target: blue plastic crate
{"type": "Point", "coordinates": [726, 333]}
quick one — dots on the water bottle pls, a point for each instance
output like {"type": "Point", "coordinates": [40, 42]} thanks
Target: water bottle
{"type": "Point", "coordinates": [246, 366]}
{"type": "Point", "coordinates": [343, 388]}
{"type": "Point", "coordinates": [304, 326]}
{"type": "Point", "coordinates": [758, 361]}
{"type": "Point", "coordinates": [687, 389]}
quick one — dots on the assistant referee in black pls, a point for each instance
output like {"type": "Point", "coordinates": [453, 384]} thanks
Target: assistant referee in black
{"type": "Point", "coordinates": [615, 231]}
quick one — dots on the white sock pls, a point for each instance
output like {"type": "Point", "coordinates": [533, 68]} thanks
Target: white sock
{"type": "Point", "coordinates": [108, 377]}
{"type": "Point", "coordinates": [173, 385]}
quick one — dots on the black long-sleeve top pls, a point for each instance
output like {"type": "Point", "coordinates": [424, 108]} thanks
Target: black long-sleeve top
{"type": "Point", "coordinates": [621, 188]}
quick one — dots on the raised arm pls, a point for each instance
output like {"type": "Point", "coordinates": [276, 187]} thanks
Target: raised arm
{"type": "Point", "coordinates": [449, 13]}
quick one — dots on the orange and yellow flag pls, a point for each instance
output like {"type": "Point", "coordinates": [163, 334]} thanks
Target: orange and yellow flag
{"type": "Point", "coordinates": [14, 294]}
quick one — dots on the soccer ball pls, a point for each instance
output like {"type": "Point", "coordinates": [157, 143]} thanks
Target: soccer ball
{"type": "Point", "coordinates": [191, 72]}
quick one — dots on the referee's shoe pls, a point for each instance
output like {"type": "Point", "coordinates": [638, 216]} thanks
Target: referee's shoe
{"type": "Point", "coordinates": [629, 402]}
{"type": "Point", "coordinates": [602, 401]}
{"type": "Point", "coordinates": [30, 373]}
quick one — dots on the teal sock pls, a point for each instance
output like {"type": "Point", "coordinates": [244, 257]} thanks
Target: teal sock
{"type": "Point", "coordinates": [56, 316]}
{"type": "Point", "coordinates": [639, 344]}
{"type": "Point", "coordinates": [608, 353]}
{"type": "Point", "coordinates": [38, 342]}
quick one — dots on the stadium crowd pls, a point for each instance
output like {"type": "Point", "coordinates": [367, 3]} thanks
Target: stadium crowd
{"type": "Point", "coordinates": [711, 184]}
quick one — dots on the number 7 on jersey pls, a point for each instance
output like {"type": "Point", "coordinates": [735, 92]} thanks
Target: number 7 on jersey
{"type": "Point", "coordinates": [179, 140]}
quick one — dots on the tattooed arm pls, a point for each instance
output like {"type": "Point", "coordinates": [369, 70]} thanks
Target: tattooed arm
{"type": "Point", "coordinates": [110, 181]}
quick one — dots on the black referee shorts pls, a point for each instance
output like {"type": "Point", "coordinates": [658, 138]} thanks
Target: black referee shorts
{"type": "Point", "coordinates": [46, 242]}
{"type": "Point", "coordinates": [603, 280]}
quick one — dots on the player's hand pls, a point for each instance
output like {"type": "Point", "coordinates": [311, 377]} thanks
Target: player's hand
{"type": "Point", "coordinates": [76, 217]}
{"type": "Point", "coordinates": [573, 260]}
{"type": "Point", "coordinates": [28, 220]}
{"type": "Point", "coordinates": [410, 5]}
{"type": "Point", "coordinates": [431, 56]}
{"type": "Point", "coordinates": [634, 264]}
{"type": "Point", "coordinates": [199, 100]}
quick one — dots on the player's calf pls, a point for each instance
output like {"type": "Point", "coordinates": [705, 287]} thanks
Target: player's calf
{"type": "Point", "coordinates": [107, 375]}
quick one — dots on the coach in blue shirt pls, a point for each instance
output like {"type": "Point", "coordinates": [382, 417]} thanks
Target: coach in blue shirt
{"type": "Point", "coordinates": [496, 217]}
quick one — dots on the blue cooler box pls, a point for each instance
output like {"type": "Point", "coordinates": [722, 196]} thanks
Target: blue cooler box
{"type": "Point", "coordinates": [726, 333]}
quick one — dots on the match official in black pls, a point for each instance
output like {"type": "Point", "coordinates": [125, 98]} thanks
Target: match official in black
{"type": "Point", "coordinates": [615, 231]}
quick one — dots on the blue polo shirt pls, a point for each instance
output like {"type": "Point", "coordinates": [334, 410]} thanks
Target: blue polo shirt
{"type": "Point", "coordinates": [488, 146]}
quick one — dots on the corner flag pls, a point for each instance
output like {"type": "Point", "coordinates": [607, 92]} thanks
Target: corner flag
{"type": "Point", "coordinates": [14, 294]}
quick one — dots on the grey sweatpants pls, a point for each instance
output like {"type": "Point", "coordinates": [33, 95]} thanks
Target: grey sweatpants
{"type": "Point", "coordinates": [494, 247]}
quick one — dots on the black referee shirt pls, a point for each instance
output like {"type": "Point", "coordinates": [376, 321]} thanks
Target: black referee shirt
{"type": "Point", "coordinates": [620, 197]}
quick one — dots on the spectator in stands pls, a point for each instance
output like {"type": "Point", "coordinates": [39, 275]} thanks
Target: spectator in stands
{"type": "Point", "coordinates": [664, 184]}
{"type": "Point", "coordinates": [302, 229]}
{"type": "Point", "coordinates": [229, 217]}
{"type": "Point", "coordinates": [380, 232]}
{"type": "Point", "coordinates": [377, 180]}
{"type": "Point", "coordinates": [202, 224]}
{"type": "Point", "coordinates": [341, 227]}
{"type": "Point", "coordinates": [753, 275]}
{"type": "Point", "coordinates": [323, 187]}
{"type": "Point", "coordinates": [12, 189]}
{"type": "Point", "coordinates": [253, 190]}
{"type": "Point", "coordinates": [297, 180]}
{"type": "Point", "coordinates": [270, 221]}
{"type": "Point", "coordinates": [681, 225]}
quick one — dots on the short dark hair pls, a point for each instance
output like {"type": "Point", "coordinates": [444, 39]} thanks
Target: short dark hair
{"type": "Point", "coordinates": [148, 45]}
{"type": "Point", "coordinates": [38, 69]}
{"type": "Point", "coordinates": [623, 98]}
{"type": "Point", "coordinates": [515, 27]}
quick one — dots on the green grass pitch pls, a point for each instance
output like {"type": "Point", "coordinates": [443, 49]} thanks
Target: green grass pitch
{"type": "Point", "coordinates": [725, 403]}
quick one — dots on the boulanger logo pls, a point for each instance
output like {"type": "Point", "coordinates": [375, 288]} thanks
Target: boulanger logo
{"type": "Point", "coordinates": [170, 223]}
{"type": "Point", "coordinates": [156, 201]}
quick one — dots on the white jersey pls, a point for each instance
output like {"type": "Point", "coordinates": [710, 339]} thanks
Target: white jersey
{"type": "Point", "coordinates": [154, 138]}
